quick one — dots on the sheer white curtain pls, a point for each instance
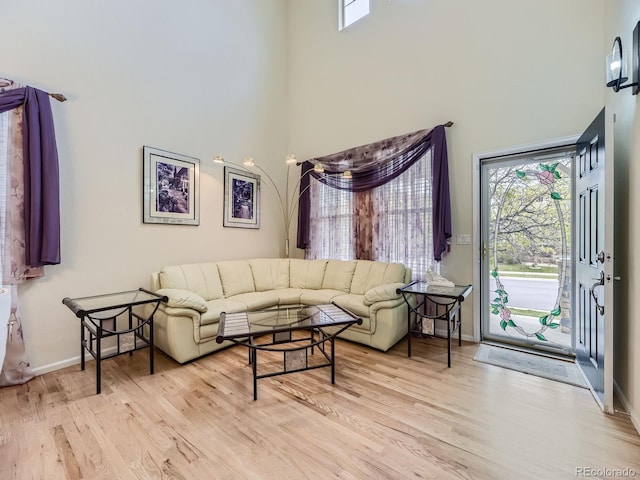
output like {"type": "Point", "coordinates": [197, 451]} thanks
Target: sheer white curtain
{"type": "Point", "coordinates": [404, 226]}
{"type": "Point", "coordinates": [331, 223]}
{"type": "Point", "coordinates": [397, 221]}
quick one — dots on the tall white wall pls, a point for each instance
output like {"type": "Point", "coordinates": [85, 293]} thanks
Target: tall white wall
{"type": "Point", "coordinates": [195, 77]}
{"type": "Point", "coordinates": [621, 18]}
{"type": "Point", "coordinates": [507, 73]}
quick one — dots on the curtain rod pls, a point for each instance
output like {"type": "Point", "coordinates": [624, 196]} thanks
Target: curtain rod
{"type": "Point", "coordinates": [448, 124]}
{"type": "Point", "coordinates": [5, 82]}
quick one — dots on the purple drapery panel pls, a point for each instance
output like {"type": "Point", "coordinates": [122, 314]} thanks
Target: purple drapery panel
{"type": "Point", "coordinates": [41, 175]}
{"type": "Point", "coordinates": [304, 205]}
{"type": "Point", "coordinates": [377, 163]}
{"type": "Point", "coordinates": [441, 206]}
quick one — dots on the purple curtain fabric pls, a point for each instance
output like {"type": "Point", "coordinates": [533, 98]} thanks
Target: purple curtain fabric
{"type": "Point", "coordinates": [304, 206]}
{"type": "Point", "coordinates": [377, 163]}
{"type": "Point", "coordinates": [441, 197]}
{"type": "Point", "coordinates": [41, 175]}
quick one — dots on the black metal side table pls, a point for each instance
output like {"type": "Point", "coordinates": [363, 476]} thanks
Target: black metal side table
{"type": "Point", "coordinates": [99, 319]}
{"type": "Point", "coordinates": [434, 303]}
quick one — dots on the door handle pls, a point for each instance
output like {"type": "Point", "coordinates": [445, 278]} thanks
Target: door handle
{"type": "Point", "coordinates": [598, 283]}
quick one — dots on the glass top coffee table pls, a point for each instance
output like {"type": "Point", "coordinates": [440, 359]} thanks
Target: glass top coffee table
{"type": "Point", "coordinates": [295, 332]}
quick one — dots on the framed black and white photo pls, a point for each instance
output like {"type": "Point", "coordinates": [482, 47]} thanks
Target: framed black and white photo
{"type": "Point", "coordinates": [171, 185]}
{"type": "Point", "coordinates": [241, 199]}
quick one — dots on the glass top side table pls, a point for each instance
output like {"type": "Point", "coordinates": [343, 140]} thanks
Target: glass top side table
{"type": "Point", "coordinates": [434, 303]}
{"type": "Point", "coordinates": [99, 316]}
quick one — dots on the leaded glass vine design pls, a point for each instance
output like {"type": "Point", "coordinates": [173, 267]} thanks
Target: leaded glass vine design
{"type": "Point", "coordinates": [527, 230]}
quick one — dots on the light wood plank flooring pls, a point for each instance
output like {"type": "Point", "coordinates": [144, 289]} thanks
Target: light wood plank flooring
{"type": "Point", "coordinates": [387, 417]}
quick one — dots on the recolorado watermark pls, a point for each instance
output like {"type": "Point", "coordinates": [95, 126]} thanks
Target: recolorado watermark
{"type": "Point", "coordinates": [586, 472]}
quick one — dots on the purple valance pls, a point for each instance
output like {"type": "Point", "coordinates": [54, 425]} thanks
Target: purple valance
{"type": "Point", "coordinates": [41, 175]}
{"type": "Point", "coordinates": [377, 163]}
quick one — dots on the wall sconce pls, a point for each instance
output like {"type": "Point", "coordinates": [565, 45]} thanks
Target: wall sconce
{"type": "Point", "coordinates": [617, 65]}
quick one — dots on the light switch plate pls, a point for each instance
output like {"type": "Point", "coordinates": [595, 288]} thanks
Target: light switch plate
{"type": "Point", "coordinates": [463, 239]}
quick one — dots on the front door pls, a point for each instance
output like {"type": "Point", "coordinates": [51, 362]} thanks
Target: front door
{"type": "Point", "coordinates": [526, 260]}
{"type": "Point", "coordinates": [594, 262]}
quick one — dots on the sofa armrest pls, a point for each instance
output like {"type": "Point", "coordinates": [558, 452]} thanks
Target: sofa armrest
{"type": "Point", "coordinates": [382, 293]}
{"type": "Point", "coordinates": [183, 299]}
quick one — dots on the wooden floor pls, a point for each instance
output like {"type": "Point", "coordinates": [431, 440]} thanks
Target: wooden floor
{"type": "Point", "coordinates": [387, 417]}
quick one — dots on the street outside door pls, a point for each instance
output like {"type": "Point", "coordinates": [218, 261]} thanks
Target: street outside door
{"type": "Point", "coordinates": [594, 261]}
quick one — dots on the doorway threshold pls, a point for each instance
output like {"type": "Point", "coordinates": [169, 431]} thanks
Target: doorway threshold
{"type": "Point", "coordinates": [549, 352]}
{"type": "Point", "coordinates": [546, 366]}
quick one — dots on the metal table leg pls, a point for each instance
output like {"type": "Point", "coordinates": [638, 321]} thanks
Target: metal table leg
{"type": "Point", "coordinates": [98, 358]}
{"type": "Point", "coordinates": [449, 340]}
{"type": "Point", "coordinates": [83, 344]}
{"type": "Point", "coordinates": [409, 332]}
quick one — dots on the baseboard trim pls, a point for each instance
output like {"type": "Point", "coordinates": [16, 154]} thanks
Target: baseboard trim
{"type": "Point", "coordinates": [635, 418]}
{"type": "Point", "coordinates": [442, 332]}
{"type": "Point", "coordinates": [52, 367]}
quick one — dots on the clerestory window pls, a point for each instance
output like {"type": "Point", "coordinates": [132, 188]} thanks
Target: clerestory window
{"type": "Point", "coordinates": [350, 11]}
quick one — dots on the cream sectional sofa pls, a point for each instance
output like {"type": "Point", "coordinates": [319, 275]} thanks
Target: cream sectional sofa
{"type": "Point", "coordinates": [186, 326]}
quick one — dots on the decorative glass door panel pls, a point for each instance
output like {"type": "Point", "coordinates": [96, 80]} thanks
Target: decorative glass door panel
{"type": "Point", "coordinates": [526, 250]}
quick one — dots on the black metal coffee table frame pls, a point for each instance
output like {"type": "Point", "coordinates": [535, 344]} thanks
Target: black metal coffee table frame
{"type": "Point", "coordinates": [236, 328]}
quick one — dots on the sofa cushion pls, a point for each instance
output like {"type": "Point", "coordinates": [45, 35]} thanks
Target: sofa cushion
{"type": "Point", "coordinates": [338, 275]}
{"type": "Point", "coordinates": [289, 296]}
{"type": "Point", "coordinates": [368, 275]}
{"type": "Point", "coordinates": [382, 293]}
{"type": "Point", "coordinates": [201, 278]}
{"type": "Point", "coordinates": [257, 300]}
{"type": "Point", "coordinates": [318, 297]}
{"type": "Point", "coordinates": [270, 273]}
{"type": "Point", "coordinates": [353, 303]}
{"type": "Point", "coordinates": [216, 307]}
{"type": "Point", "coordinates": [306, 273]}
{"type": "Point", "coordinates": [236, 277]}
{"type": "Point", "coordinates": [183, 299]}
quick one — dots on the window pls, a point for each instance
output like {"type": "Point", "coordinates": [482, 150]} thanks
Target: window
{"type": "Point", "coordinates": [4, 138]}
{"type": "Point", "coordinates": [332, 220]}
{"type": "Point", "coordinates": [391, 223]}
{"type": "Point", "coordinates": [351, 11]}
{"type": "Point", "coordinates": [404, 231]}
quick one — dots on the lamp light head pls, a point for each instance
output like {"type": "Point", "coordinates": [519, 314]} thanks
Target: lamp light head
{"type": "Point", "coordinates": [218, 159]}
{"type": "Point", "coordinates": [291, 159]}
{"type": "Point", "coordinates": [347, 174]}
{"type": "Point", "coordinates": [248, 161]}
{"type": "Point", "coordinates": [318, 168]}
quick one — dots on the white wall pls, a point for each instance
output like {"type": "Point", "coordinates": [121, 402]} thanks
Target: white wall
{"type": "Point", "coordinates": [507, 73]}
{"type": "Point", "coordinates": [195, 77]}
{"type": "Point", "coordinates": [621, 18]}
